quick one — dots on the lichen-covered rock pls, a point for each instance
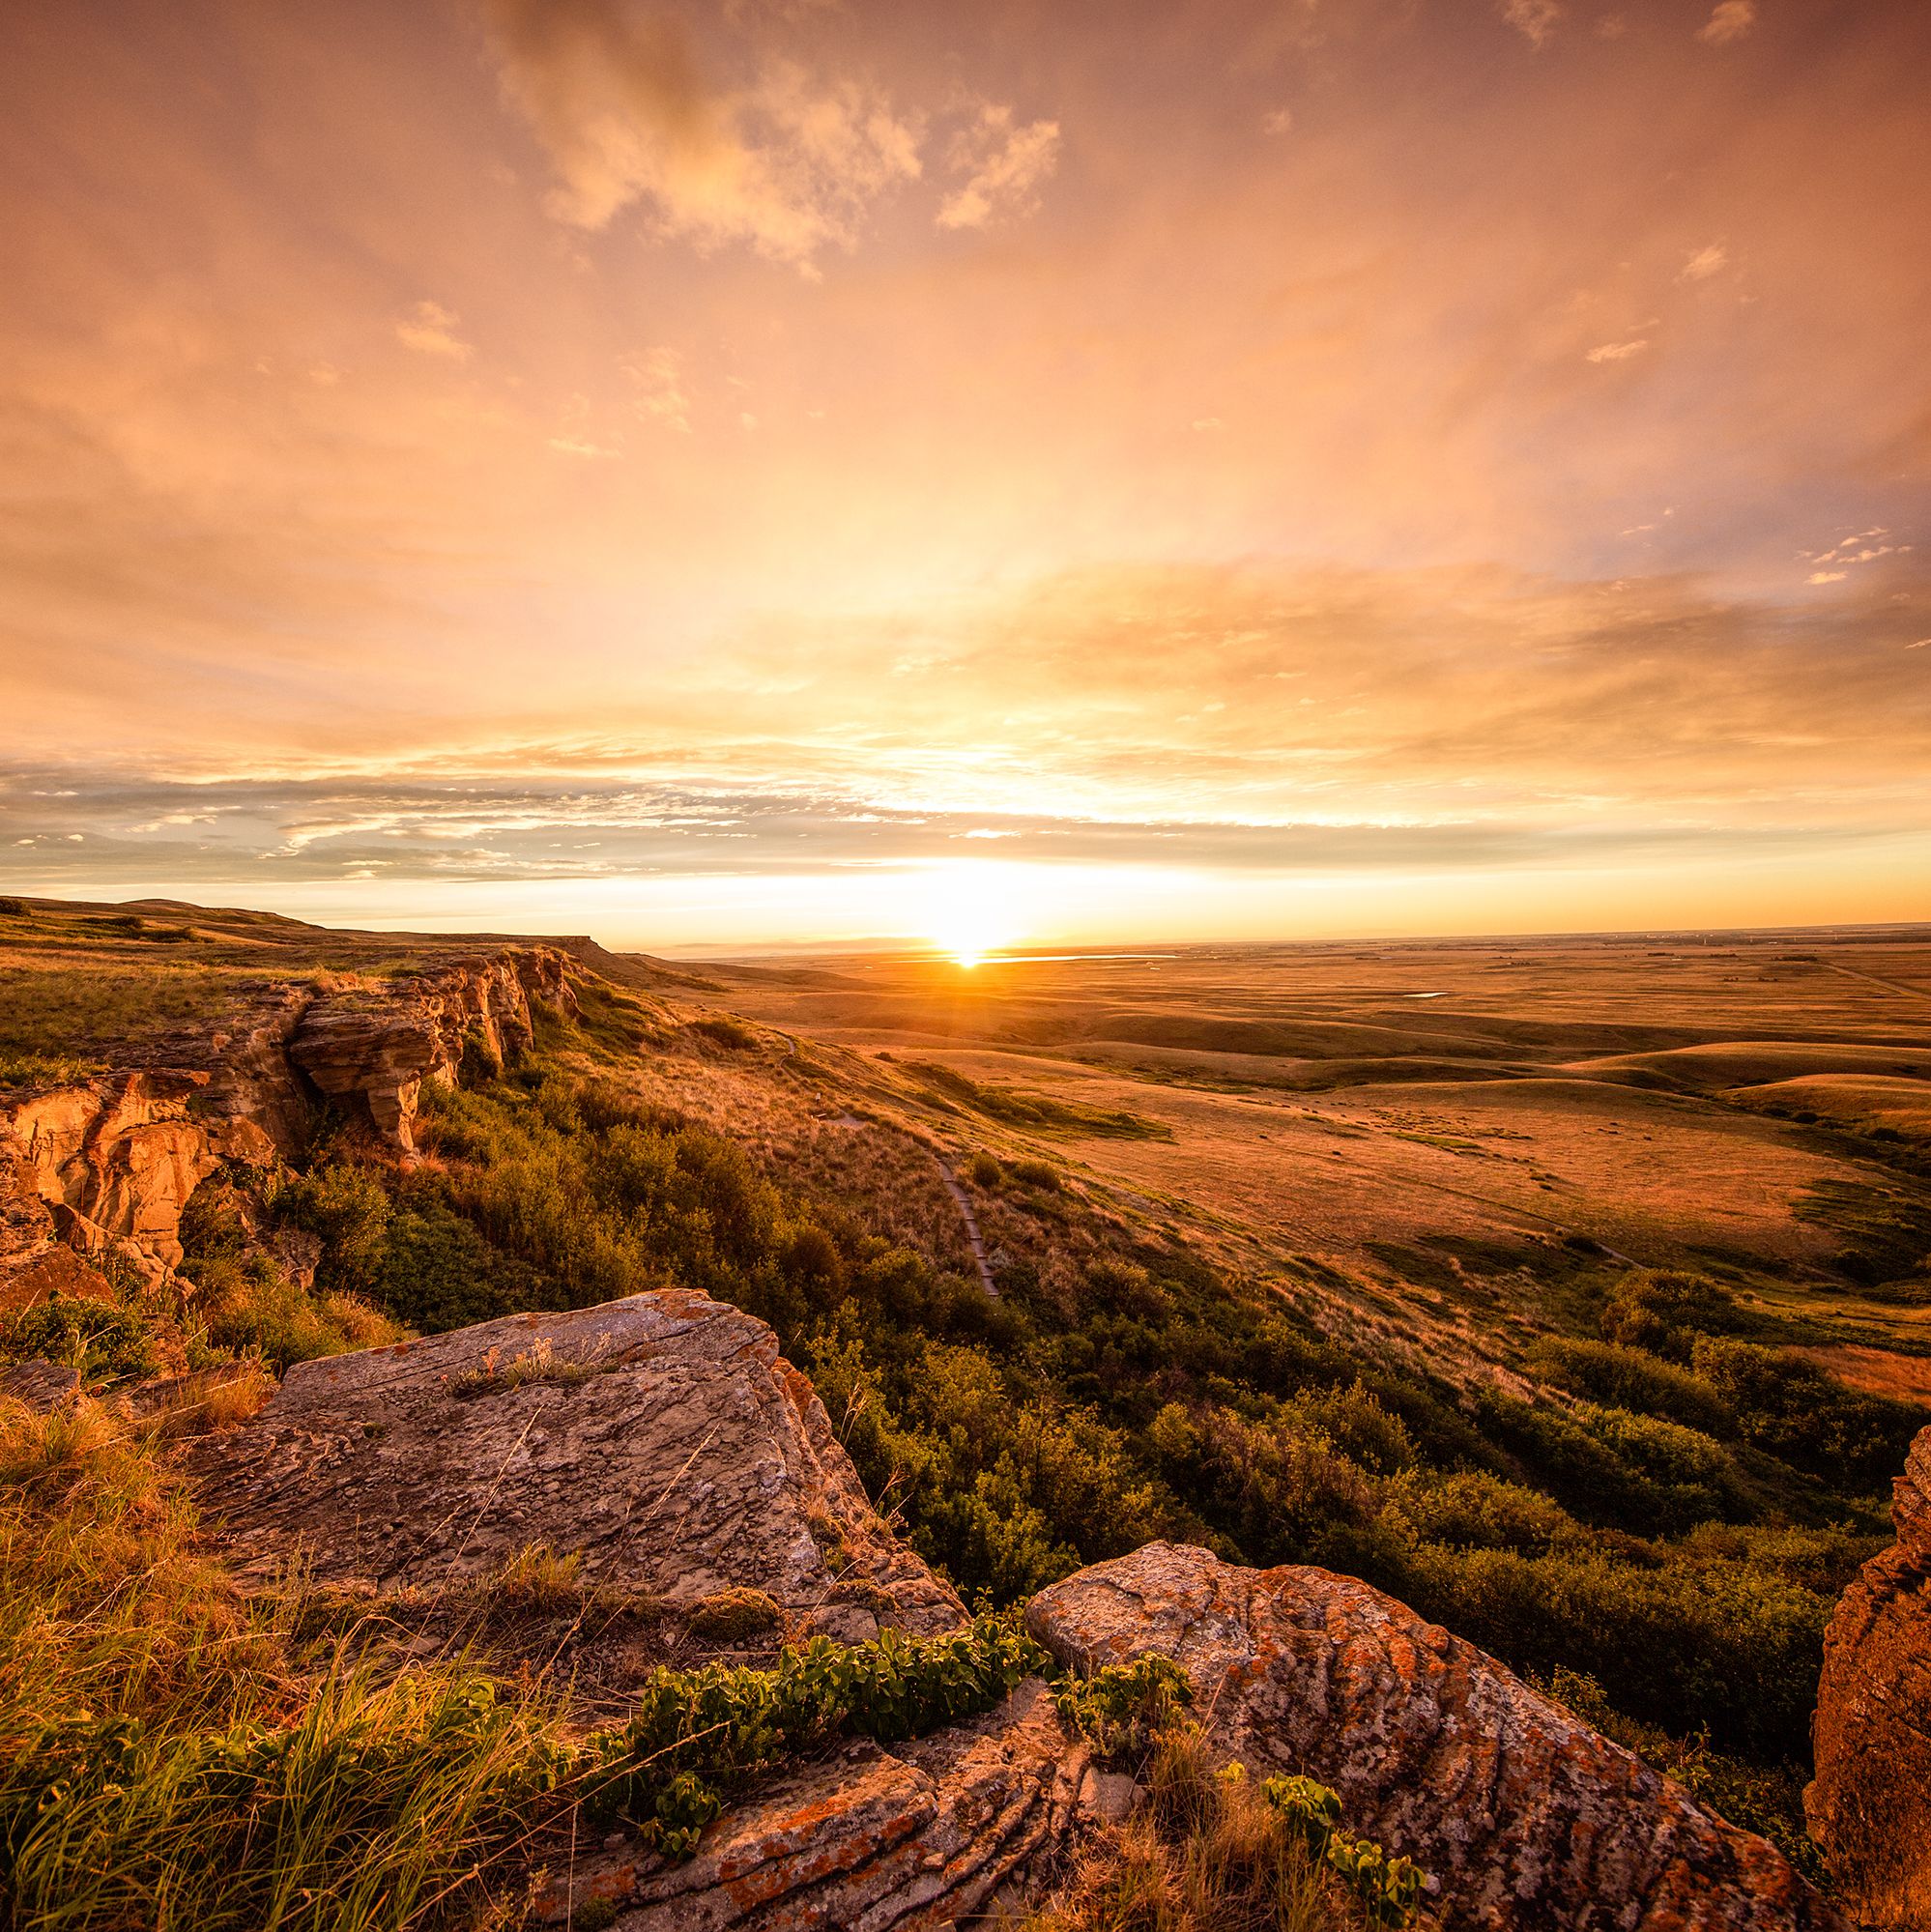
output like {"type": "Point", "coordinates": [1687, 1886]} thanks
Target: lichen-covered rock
{"type": "Point", "coordinates": [371, 1050]}
{"type": "Point", "coordinates": [881, 1839]}
{"type": "Point", "coordinates": [1871, 1805]}
{"type": "Point", "coordinates": [661, 1438]}
{"type": "Point", "coordinates": [1525, 1816]}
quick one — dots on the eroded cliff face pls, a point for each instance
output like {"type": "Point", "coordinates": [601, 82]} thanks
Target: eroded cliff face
{"type": "Point", "coordinates": [664, 1441]}
{"type": "Point", "coordinates": [104, 1168]}
{"type": "Point", "coordinates": [370, 1051]}
{"type": "Point", "coordinates": [1870, 1804]}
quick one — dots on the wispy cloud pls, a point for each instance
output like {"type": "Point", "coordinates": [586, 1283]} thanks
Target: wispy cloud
{"type": "Point", "coordinates": [1619, 352]}
{"type": "Point", "coordinates": [1534, 19]}
{"type": "Point", "coordinates": [1005, 162]}
{"type": "Point", "coordinates": [1731, 20]}
{"type": "Point", "coordinates": [787, 159]}
{"type": "Point", "coordinates": [430, 329]}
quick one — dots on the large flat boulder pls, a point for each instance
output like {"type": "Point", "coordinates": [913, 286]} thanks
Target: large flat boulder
{"type": "Point", "coordinates": [661, 1438]}
{"type": "Point", "coordinates": [1524, 1815]}
{"type": "Point", "coordinates": [1870, 1804]}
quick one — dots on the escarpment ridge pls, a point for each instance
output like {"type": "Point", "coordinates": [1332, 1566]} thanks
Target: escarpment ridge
{"type": "Point", "coordinates": [103, 1167]}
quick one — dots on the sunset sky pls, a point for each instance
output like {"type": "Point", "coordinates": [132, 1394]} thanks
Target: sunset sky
{"type": "Point", "coordinates": [788, 470]}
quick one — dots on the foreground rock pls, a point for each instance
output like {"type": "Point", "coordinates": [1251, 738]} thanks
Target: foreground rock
{"type": "Point", "coordinates": [1525, 1816]}
{"type": "Point", "coordinates": [1870, 1805]}
{"type": "Point", "coordinates": [661, 1438]}
{"type": "Point", "coordinates": [664, 1440]}
{"type": "Point", "coordinates": [879, 1839]}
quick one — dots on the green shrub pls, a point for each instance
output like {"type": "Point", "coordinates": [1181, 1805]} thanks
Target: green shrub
{"type": "Point", "coordinates": [1664, 1310]}
{"type": "Point", "coordinates": [1792, 1409]}
{"type": "Point", "coordinates": [346, 1208]}
{"type": "Point", "coordinates": [984, 1171]}
{"type": "Point", "coordinates": [1120, 1706]}
{"type": "Point", "coordinates": [1731, 1646]}
{"type": "Point", "coordinates": [258, 1310]}
{"type": "Point", "coordinates": [1621, 1378]}
{"type": "Point", "coordinates": [439, 1273]}
{"type": "Point", "coordinates": [1472, 1510]}
{"type": "Point", "coordinates": [104, 1340]}
{"type": "Point", "coordinates": [1035, 1173]}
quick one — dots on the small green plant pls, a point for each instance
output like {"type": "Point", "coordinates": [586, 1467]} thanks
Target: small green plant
{"type": "Point", "coordinates": [539, 1363]}
{"type": "Point", "coordinates": [1038, 1174]}
{"type": "Point", "coordinates": [984, 1171]}
{"type": "Point", "coordinates": [696, 1736]}
{"type": "Point", "coordinates": [1120, 1706]}
{"type": "Point", "coordinates": [104, 1340]}
{"type": "Point", "coordinates": [1387, 1889]}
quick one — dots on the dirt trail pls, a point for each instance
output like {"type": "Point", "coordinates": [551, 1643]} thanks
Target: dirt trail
{"type": "Point", "coordinates": [974, 1239]}
{"type": "Point", "coordinates": [1875, 979]}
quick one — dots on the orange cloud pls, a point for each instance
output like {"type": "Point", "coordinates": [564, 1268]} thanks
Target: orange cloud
{"type": "Point", "coordinates": [788, 161]}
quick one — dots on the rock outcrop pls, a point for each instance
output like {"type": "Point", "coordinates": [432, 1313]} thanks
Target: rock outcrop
{"type": "Point", "coordinates": [662, 1439]}
{"type": "Point", "coordinates": [118, 1158]}
{"type": "Point", "coordinates": [881, 1839]}
{"type": "Point", "coordinates": [1525, 1816]}
{"type": "Point", "coordinates": [1870, 1804]}
{"type": "Point", "coordinates": [104, 1166]}
{"type": "Point", "coordinates": [370, 1051]}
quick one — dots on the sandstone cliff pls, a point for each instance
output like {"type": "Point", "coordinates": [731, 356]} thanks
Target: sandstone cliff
{"type": "Point", "coordinates": [370, 1051]}
{"type": "Point", "coordinates": [1871, 1805]}
{"type": "Point", "coordinates": [104, 1166]}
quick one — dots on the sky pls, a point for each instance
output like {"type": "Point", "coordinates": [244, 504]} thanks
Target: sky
{"type": "Point", "coordinates": [794, 472]}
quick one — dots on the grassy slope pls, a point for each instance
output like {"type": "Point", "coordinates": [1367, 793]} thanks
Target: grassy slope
{"type": "Point", "coordinates": [1668, 1523]}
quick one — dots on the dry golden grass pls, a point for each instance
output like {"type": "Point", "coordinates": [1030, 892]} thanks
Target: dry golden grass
{"type": "Point", "coordinates": [1878, 1372]}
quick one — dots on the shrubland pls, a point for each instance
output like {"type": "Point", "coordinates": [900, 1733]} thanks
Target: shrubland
{"type": "Point", "coordinates": [1659, 1529]}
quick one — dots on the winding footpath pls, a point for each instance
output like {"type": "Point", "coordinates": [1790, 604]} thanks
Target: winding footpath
{"type": "Point", "coordinates": [973, 1238]}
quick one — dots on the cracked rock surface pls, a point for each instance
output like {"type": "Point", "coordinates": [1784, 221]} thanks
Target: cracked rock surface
{"type": "Point", "coordinates": [1524, 1815]}
{"type": "Point", "coordinates": [1870, 1805]}
{"type": "Point", "coordinates": [661, 1438]}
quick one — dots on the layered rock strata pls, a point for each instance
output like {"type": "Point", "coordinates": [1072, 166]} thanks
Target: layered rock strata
{"type": "Point", "coordinates": [1524, 1816]}
{"type": "Point", "coordinates": [370, 1051]}
{"type": "Point", "coordinates": [103, 1167]}
{"type": "Point", "coordinates": [880, 1838]}
{"type": "Point", "coordinates": [1870, 1804]}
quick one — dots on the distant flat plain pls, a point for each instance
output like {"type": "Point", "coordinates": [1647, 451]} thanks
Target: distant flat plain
{"type": "Point", "coordinates": [1447, 1120]}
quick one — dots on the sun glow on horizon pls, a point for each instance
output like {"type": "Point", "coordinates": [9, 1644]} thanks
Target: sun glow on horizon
{"type": "Point", "coordinates": [974, 909]}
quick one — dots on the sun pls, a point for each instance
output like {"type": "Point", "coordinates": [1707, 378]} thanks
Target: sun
{"type": "Point", "coordinates": [971, 912]}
